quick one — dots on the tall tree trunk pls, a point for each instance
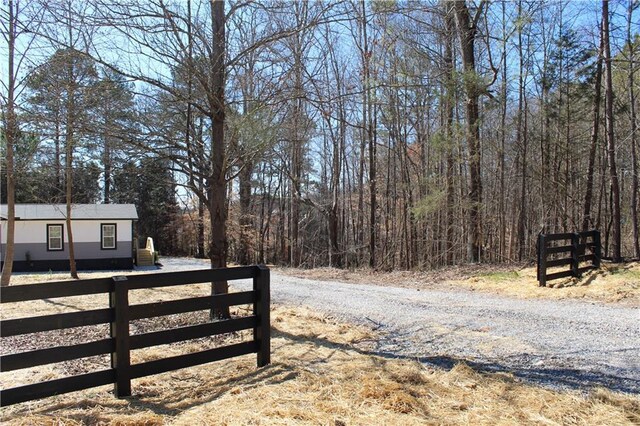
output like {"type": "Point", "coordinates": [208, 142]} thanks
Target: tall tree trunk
{"type": "Point", "coordinates": [58, 189]}
{"type": "Point", "coordinates": [11, 133]}
{"type": "Point", "coordinates": [372, 188]}
{"type": "Point", "coordinates": [359, 228]}
{"type": "Point", "coordinates": [368, 134]}
{"type": "Point", "coordinates": [69, 174]}
{"type": "Point", "coordinates": [298, 138]}
{"type": "Point", "coordinates": [502, 222]}
{"type": "Point", "coordinates": [106, 161]}
{"type": "Point", "coordinates": [545, 155]}
{"type": "Point", "coordinates": [544, 131]}
{"type": "Point", "coordinates": [296, 167]}
{"type": "Point", "coordinates": [587, 221]}
{"type": "Point", "coordinates": [200, 238]}
{"type": "Point", "coordinates": [611, 148]}
{"type": "Point", "coordinates": [338, 144]}
{"type": "Point", "coordinates": [69, 136]}
{"type": "Point", "coordinates": [448, 113]}
{"type": "Point", "coordinates": [283, 252]}
{"type": "Point", "coordinates": [467, 31]}
{"type": "Point", "coordinates": [191, 134]}
{"type": "Point", "coordinates": [521, 140]}
{"type": "Point", "coordinates": [244, 189]}
{"type": "Point", "coordinates": [634, 134]}
{"type": "Point", "coordinates": [566, 219]}
{"type": "Point", "coordinates": [217, 184]}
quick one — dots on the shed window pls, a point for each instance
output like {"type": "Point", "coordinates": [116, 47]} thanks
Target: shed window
{"type": "Point", "coordinates": [54, 238]}
{"type": "Point", "coordinates": [108, 236]}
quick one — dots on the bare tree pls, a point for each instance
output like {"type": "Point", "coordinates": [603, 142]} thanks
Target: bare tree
{"type": "Point", "coordinates": [633, 4]}
{"type": "Point", "coordinates": [369, 134]}
{"type": "Point", "coordinates": [449, 113]}
{"type": "Point", "coordinates": [16, 21]}
{"type": "Point", "coordinates": [10, 136]}
{"type": "Point", "coordinates": [400, 158]}
{"type": "Point", "coordinates": [467, 32]}
{"type": "Point", "coordinates": [610, 136]}
{"type": "Point", "coordinates": [587, 220]}
{"type": "Point", "coordinates": [522, 138]}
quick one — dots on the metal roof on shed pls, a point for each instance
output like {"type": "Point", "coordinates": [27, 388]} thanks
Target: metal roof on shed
{"type": "Point", "coordinates": [78, 211]}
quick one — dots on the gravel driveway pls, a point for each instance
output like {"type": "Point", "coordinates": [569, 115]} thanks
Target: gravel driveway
{"type": "Point", "coordinates": [562, 344]}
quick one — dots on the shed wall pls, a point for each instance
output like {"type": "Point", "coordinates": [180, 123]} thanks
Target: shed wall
{"type": "Point", "coordinates": [30, 249]}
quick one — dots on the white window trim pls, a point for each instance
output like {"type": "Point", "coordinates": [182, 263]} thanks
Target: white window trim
{"type": "Point", "coordinates": [61, 238]}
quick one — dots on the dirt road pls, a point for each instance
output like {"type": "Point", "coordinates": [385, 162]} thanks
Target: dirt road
{"type": "Point", "coordinates": [562, 344]}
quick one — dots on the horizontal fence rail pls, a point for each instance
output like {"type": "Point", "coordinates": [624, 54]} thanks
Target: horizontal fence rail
{"type": "Point", "coordinates": [119, 315]}
{"type": "Point", "coordinates": [575, 253]}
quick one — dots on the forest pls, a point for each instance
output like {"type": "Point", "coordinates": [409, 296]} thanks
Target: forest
{"type": "Point", "coordinates": [382, 134]}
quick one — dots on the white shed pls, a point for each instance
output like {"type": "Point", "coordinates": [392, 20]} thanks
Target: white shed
{"type": "Point", "coordinates": [103, 236]}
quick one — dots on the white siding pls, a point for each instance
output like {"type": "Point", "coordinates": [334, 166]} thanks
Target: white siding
{"type": "Point", "coordinates": [85, 231]}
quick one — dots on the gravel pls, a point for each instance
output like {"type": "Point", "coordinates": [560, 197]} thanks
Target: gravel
{"type": "Point", "coordinates": [564, 344]}
{"type": "Point", "coordinates": [560, 344]}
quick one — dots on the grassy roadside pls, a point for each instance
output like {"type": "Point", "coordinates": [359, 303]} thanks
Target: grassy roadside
{"type": "Point", "coordinates": [322, 374]}
{"type": "Point", "coordinates": [613, 283]}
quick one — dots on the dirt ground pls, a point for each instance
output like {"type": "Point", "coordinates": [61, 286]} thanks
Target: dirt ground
{"type": "Point", "coordinates": [322, 373]}
{"type": "Point", "coordinates": [612, 283]}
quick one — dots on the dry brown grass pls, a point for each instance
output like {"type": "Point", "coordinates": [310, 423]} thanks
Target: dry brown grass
{"type": "Point", "coordinates": [322, 374]}
{"type": "Point", "coordinates": [613, 283]}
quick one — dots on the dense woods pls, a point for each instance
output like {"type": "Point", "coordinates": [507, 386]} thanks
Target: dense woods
{"type": "Point", "coordinates": [393, 134]}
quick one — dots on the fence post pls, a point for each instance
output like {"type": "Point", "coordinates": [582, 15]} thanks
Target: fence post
{"type": "Point", "coordinates": [597, 250]}
{"type": "Point", "coordinates": [542, 260]}
{"type": "Point", "coordinates": [121, 358]}
{"type": "Point", "coordinates": [262, 310]}
{"type": "Point", "coordinates": [538, 258]}
{"type": "Point", "coordinates": [575, 259]}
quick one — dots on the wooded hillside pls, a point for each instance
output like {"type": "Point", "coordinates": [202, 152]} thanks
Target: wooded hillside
{"type": "Point", "coordinates": [395, 134]}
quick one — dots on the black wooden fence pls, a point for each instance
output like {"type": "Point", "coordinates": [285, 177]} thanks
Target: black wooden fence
{"type": "Point", "coordinates": [570, 249]}
{"type": "Point", "coordinates": [120, 343]}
